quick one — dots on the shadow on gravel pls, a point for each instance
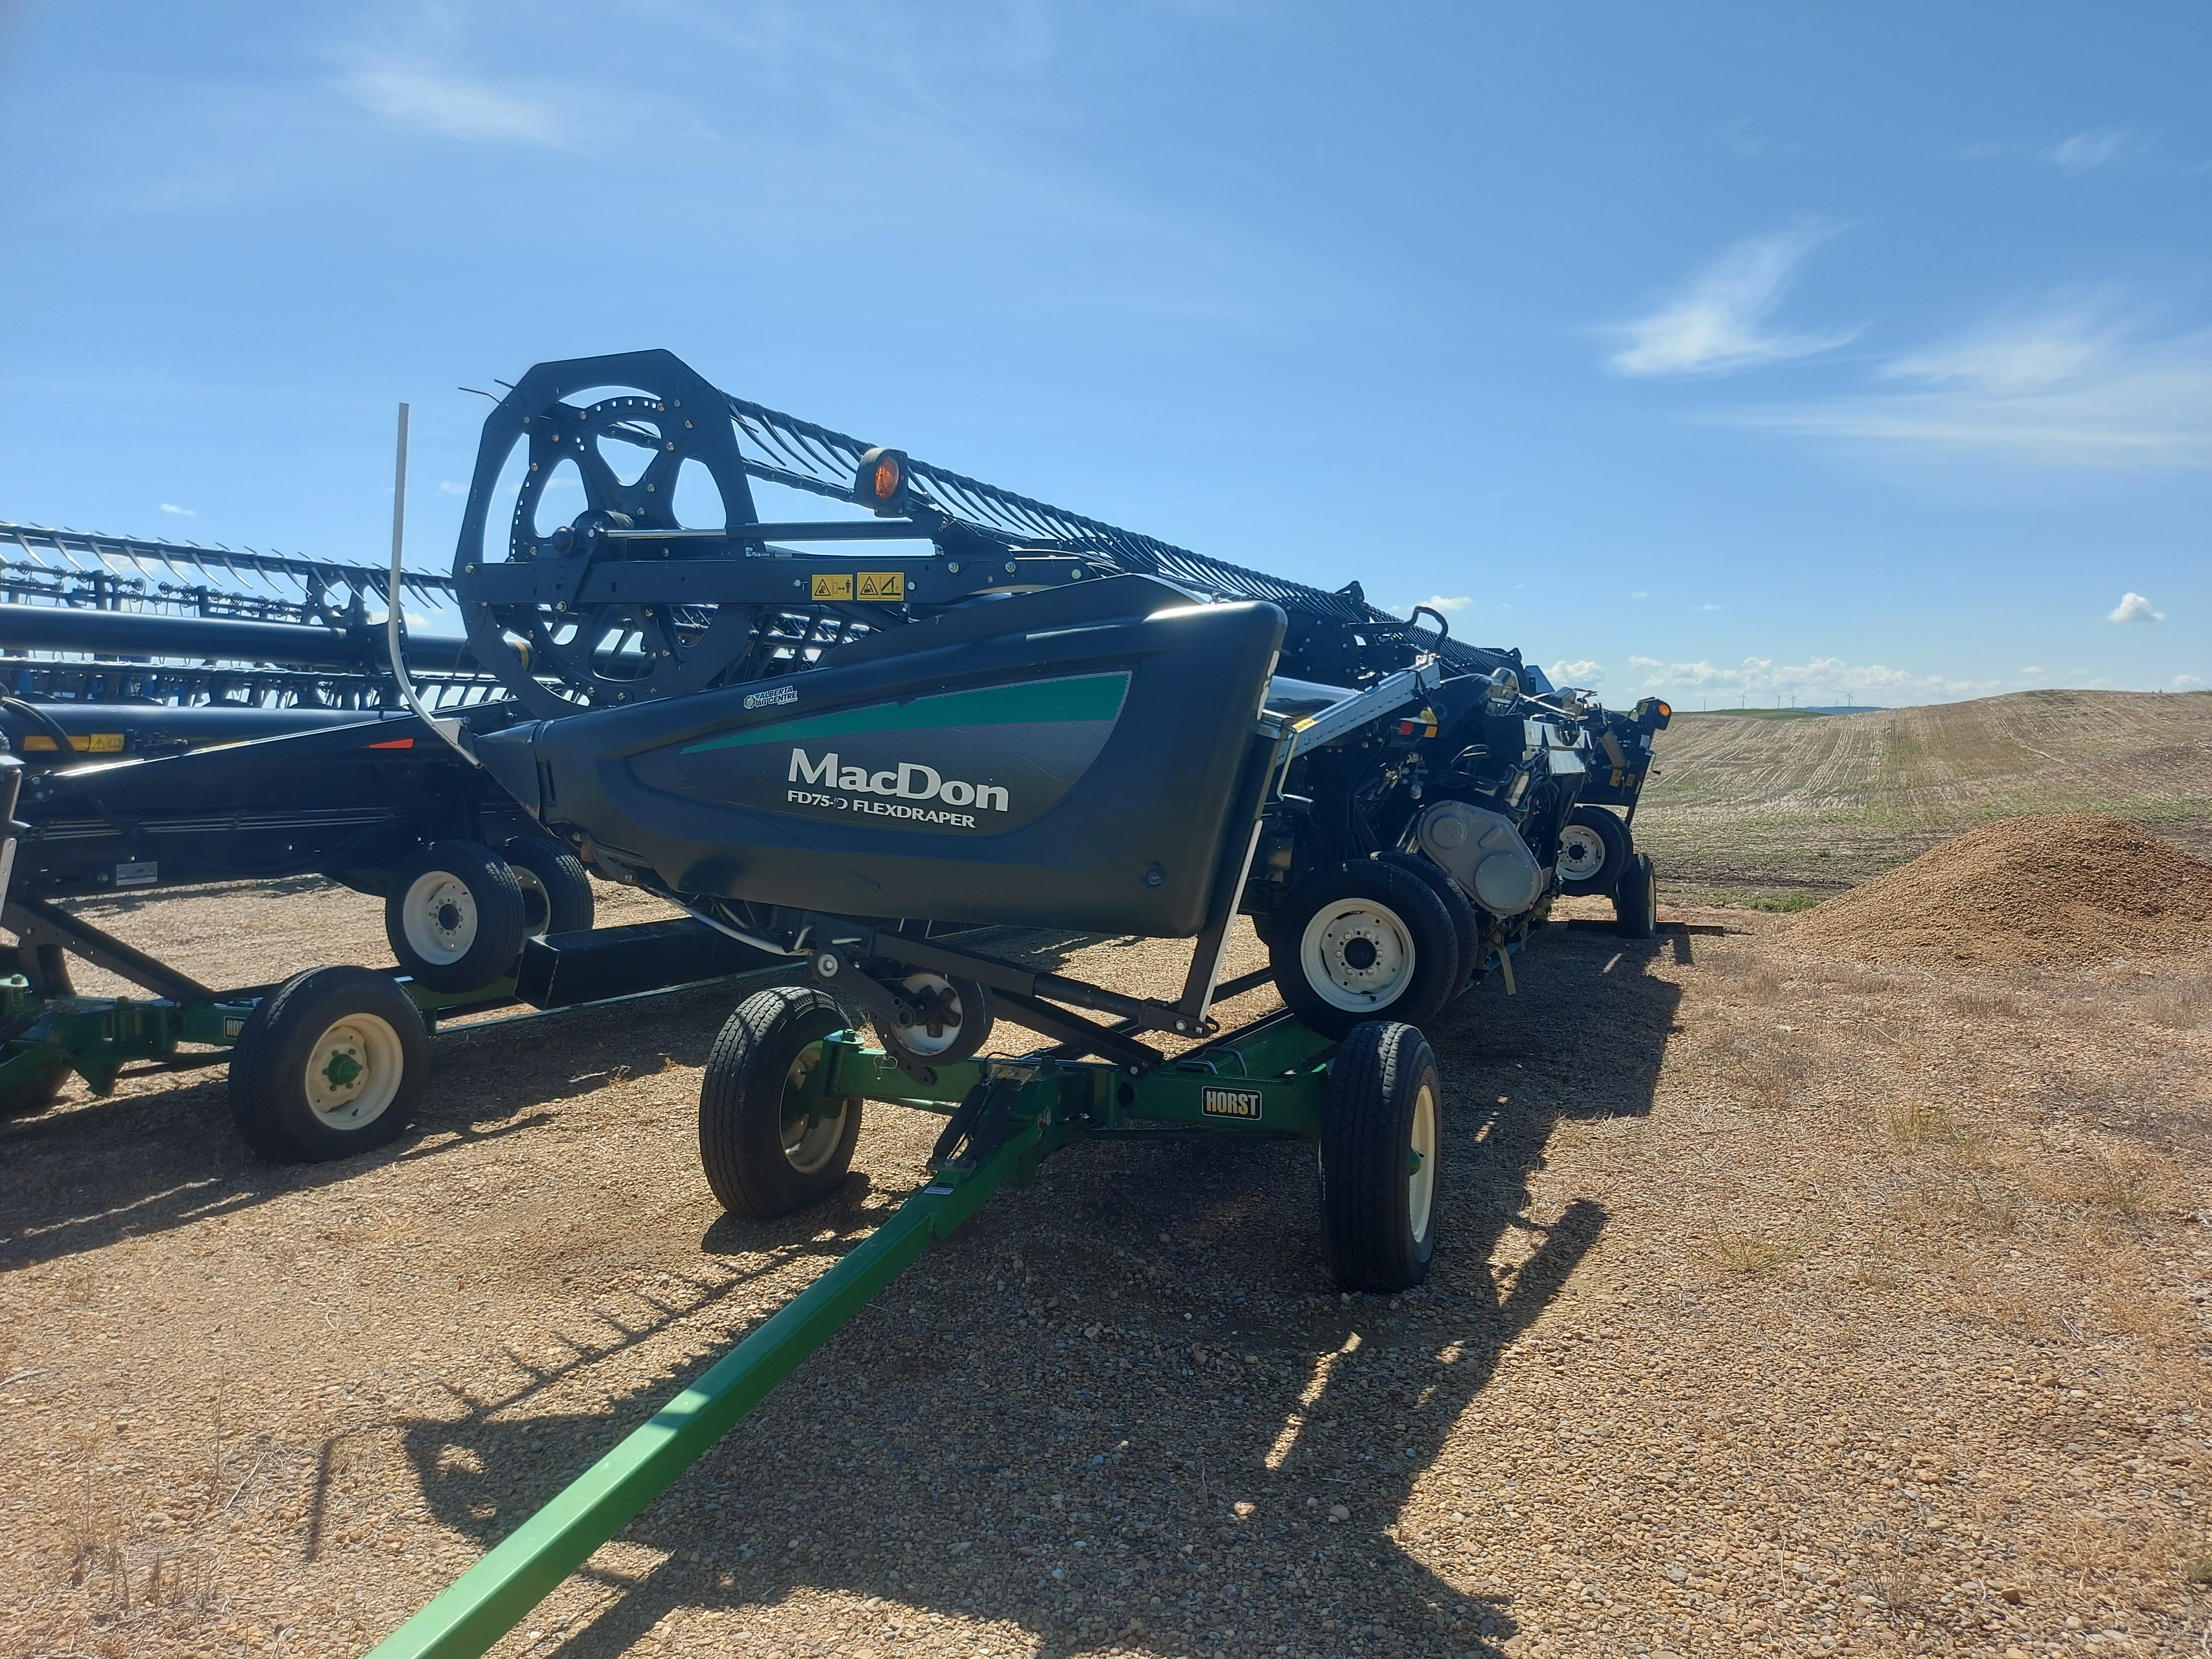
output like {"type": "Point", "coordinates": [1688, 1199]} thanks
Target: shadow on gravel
{"type": "Point", "coordinates": [1119, 1407]}
{"type": "Point", "coordinates": [81, 1176]}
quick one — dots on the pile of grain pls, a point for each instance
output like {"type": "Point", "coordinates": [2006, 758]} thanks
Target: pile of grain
{"type": "Point", "coordinates": [2063, 887]}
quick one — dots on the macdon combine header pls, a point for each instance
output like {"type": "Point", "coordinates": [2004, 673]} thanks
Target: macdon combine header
{"type": "Point", "coordinates": [846, 742]}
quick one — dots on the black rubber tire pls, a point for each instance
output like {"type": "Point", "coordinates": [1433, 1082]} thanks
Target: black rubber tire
{"type": "Point", "coordinates": [487, 934]}
{"type": "Point", "coordinates": [46, 969]}
{"type": "Point", "coordinates": [323, 1016]}
{"type": "Point", "coordinates": [556, 892]}
{"type": "Point", "coordinates": [1376, 1235]}
{"type": "Point", "coordinates": [1636, 900]}
{"type": "Point", "coordinates": [1465, 928]}
{"type": "Point", "coordinates": [977, 1016]}
{"type": "Point", "coordinates": [743, 1143]}
{"type": "Point", "coordinates": [1610, 829]}
{"type": "Point", "coordinates": [37, 1092]}
{"type": "Point", "coordinates": [1427, 985]}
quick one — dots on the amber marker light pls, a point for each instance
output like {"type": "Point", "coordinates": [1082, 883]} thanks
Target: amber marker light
{"type": "Point", "coordinates": [880, 482]}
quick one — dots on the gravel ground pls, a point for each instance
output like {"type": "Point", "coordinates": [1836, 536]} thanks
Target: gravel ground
{"type": "Point", "coordinates": [1783, 1306]}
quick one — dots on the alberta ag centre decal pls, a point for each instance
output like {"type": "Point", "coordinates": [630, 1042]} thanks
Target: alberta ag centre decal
{"type": "Point", "coordinates": [978, 762]}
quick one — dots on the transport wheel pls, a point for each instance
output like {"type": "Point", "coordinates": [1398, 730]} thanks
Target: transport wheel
{"type": "Point", "coordinates": [952, 1019]}
{"type": "Point", "coordinates": [1636, 900]}
{"type": "Point", "coordinates": [1381, 1134]}
{"type": "Point", "coordinates": [1457, 906]}
{"type": "Point", "coordinates": [454, 916]}
{"type": "Point", "coordinates": [770, 1144]}
{"type": "Point", "coordinates": [47, 967]}
{"type": "Point", "coordinates": [1594, 851]}
{"type": "Point", "coordinates": [556, 893]}
{"type": "Point", "coordinates": [330, 1063]}
{"type": "Point", "coordinates": [36, 1093]}
{"type": "Point", "coordinates": [1364, 940]}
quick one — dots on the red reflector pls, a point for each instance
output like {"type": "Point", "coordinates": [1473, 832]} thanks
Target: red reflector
{"type": "Point", "coordinates": [394, 743]}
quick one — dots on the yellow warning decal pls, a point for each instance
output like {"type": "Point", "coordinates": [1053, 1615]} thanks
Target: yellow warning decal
{"type": "Point", "coordinates": [885, 586]}
{"type": "Point", "coordinates": [100, 742]}
{"type": "Point", "coordinates": [833, 587]}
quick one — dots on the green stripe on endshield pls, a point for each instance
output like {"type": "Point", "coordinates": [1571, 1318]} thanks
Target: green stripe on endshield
{"type": "Point", "coordinates": [1034, 702]}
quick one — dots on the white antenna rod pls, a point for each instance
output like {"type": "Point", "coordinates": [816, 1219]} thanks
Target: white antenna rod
{"type": "Point", "coordinates": [449, 728]}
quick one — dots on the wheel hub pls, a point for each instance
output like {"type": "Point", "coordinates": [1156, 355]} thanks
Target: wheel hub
{"type": "Point", "coordinates": [1580, 852]}
{"type": "Point", "coordinates": [813, 1125]}
{"type": "Point", "coordinates": [353, 1071]}
{"type": "Point", "coordinates": [439, 917]}
{"type": "Point", "coordinates": [1359, 954]}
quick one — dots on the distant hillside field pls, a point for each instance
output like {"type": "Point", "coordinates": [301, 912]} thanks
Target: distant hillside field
{"type": "Point", "coordinates": [1812, 804]}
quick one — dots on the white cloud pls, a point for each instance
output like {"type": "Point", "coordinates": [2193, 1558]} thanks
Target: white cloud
{"type": "Point", "coordinates": [2188, 683]}
{"type": "Point", "coordinates": [454, 106]}
{"type": "Point", "coordinates": [179, 512]}
{"type": "Point", "coordinates": [2073, 386]}
{"type": "Point", "coordinates": [447, 487]}
{"type": "Point", "coordinates": [1585, 674]}
{"type": "Point", "coordinates": [1639, 594]}
{"type": "Point", "coordinates": [2134, 608]}
{"type": "Point", "coordinates": [1715, 324]}
{"type": "Point", "coordinates": [1709, 607]}
{"type": "Point", "coordinates": [1821, 680]}
{"type": "Point", "coordinates": [2099, 147]}
{"type": "Point", "coordinates": [1437, 602]}
{"type": "Point", "coordinates": [2031, 670]}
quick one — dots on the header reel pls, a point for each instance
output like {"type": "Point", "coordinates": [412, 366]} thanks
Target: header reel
{"type": "Point", "coordinates": [625, 601]}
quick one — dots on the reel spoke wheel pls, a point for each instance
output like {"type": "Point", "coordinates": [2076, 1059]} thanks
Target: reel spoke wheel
{"type": "Point", "coordinates": [1381, 1137]}
{"type": "Point", "coordinates": [564, 647]}
{"type": "Point", "coordinates": [1594, 851]}
{"type": "Point", "coordinates": [454, 916]}
{"type": "Point", "coordinates": [1362, 941]}
{"type": "Point", "coordinates": [330, 1063]}
{"type": "Point", "coordinates": [770, 1141]}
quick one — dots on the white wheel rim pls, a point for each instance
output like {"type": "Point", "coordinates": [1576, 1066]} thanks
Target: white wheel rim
{"type": "Point", "coordinates": [353, 1072]}
{"type": "Point", "coordinates": [810, 1138]}
{"type": "Point", "coordinates": [1582, 852]}
{"type": "Point", "coordinates": [917, 1039]}
{"type": "Point", "coordinates": [1421, 1179]}
{"type": "Point", "coordinates": [1357, 954]}
{"type": "Point", "coordinates": [537, 902]}
{"type": "Point", "coordinates": [439, 917]}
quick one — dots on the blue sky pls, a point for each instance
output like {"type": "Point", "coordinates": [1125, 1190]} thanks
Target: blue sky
{"type": "Point", "coordinates": [1716, 350]}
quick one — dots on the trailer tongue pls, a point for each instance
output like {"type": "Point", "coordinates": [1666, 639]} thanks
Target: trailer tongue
{"type": "Point", "coordinates": [1004, 1118]}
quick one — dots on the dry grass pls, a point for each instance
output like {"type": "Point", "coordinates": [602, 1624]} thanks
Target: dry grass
{"type": "Point", "coordinates": [1914, 1121]}
{"type": "Point", "coordinates": [1776, 1069]}
{"type": "Point", "coordinates": [2122, 1182]}
{"type": "Point", "coordinates": [1753, 1250]}
{"type": "Point", "coordinates": [2181, 1002]}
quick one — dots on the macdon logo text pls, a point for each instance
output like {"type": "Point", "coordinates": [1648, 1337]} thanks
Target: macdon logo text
{"type": "Point", "coordinates": [906, 784]}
